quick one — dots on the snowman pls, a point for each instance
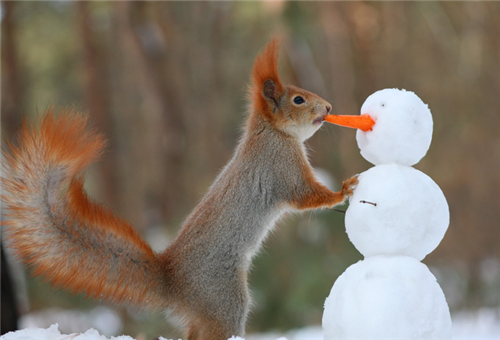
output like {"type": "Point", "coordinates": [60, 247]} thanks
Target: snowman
{"type": "Point", "coordinates": [396, 216]}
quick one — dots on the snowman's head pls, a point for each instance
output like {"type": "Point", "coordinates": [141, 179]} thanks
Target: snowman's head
{"type": "Point", "coordinates": [402, 131]}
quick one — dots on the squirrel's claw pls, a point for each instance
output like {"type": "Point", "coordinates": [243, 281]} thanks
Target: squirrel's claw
{"type": "Point", "coordinates": [348, 186]}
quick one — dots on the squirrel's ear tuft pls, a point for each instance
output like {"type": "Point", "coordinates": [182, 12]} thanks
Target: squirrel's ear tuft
{"type": "Point", "coordinates": [266, 87]}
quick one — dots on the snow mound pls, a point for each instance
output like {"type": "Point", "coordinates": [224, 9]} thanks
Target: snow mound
{"type": "Point", "coordinates": [361, 304]}
{"type": "Point", "coordinates": [52, 333]}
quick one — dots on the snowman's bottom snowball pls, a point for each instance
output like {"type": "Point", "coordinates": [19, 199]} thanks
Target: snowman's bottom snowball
{"type": "Point", "coordinates": [387, 297]}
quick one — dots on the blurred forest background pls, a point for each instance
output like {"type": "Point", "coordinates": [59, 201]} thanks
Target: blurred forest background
{"type": "Point", "coordinates": [166, 82]}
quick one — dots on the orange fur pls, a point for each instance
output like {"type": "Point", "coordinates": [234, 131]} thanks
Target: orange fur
{"type": "Point", "coordinates": [320, 196]}
{"type": "Point", "coordinates": [73, 242]}
{"type": "Point", "coordinates": [265, 68]}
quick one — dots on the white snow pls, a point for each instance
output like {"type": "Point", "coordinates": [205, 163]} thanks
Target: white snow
{"type": "Point", "coordinates": [403, 128]}
{"type": "Point", "coordinates": [411, 214]}
{"type": "Point", "coordinates": [481, 324]}
{"type": "Point", "coordinates": [53, 333]}
{"type": "Point", "coordinates": [386, 297]}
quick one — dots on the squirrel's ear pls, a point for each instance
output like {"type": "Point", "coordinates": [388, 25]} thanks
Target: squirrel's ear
{"type": "Point", "coordinates": [266, 88]}
{"type": "Point", "coordinates": [271, 93]}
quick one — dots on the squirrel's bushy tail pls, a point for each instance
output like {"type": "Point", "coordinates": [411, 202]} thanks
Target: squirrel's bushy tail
{"type": "Point", "coordinates": [55, 228]}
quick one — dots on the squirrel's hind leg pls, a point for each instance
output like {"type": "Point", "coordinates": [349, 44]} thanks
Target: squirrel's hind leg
{"type": "Point", "coordinates": [221, 316]}
{"type": "Point", "coordinates": [193, 331]}
{"type": "Point", "coordinates": [207, 329]}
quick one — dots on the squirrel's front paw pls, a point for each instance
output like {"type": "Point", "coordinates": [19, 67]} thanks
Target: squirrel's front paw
{"type": "Point", "coordinates": [349, 185]}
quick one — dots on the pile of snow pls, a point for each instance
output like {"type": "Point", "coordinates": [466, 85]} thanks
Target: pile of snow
{"type": "Point", "coordinates": [385, 297]}
{"type": "Point", "coordinates": [53, 333]}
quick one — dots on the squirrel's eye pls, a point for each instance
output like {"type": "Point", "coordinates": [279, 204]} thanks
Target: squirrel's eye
{"type": "Point", "coordinates": [298, 100]}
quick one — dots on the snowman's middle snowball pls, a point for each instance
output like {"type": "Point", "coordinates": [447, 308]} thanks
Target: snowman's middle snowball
{"type": "Point", "coordinates": [411, 214]}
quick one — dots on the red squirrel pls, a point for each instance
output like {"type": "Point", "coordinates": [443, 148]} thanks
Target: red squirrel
{"type": "Point", "coordinates": [83, 247]}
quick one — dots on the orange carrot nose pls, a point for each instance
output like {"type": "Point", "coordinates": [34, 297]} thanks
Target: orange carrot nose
{"type": "Point", "coordinates": [363, 122]}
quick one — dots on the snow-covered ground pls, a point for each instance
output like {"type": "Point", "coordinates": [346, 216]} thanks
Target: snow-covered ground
{"type": "Point", "coordinates": [481, 324]}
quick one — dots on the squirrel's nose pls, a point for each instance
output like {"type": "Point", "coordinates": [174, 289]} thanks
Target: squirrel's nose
{"type": "Point", "coordinates": [328, 108]}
